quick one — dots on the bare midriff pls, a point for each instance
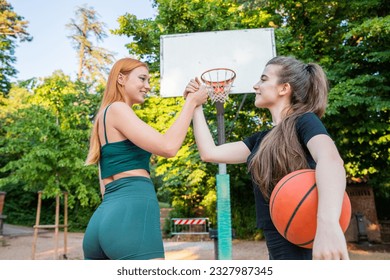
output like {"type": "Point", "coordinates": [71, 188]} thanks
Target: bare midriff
{"type": "Point", "coordinates": [130, 173]}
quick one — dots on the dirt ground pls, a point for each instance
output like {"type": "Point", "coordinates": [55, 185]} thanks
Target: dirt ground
{"type": "Point", "coordinates": [16, 244]}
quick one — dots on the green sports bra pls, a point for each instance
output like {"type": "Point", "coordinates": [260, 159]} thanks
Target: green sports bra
{"type": "Point", "coordinates": [117, 157]}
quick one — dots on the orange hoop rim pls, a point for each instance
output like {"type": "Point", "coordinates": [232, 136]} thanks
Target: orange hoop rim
{"type": "Point", "coordinates": [220, 83]}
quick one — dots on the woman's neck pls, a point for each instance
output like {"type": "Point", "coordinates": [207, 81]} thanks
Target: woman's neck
{"type": "Point", "coordinates": [278, 114]}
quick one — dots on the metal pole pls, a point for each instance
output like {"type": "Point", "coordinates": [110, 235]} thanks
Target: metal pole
{"type": "Point", "coordinates": [221, 132]}
{"type": "Point", "coordinates": [223, 195]}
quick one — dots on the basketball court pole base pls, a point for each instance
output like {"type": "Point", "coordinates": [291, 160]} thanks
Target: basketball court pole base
{"type": "Point", "coordinates": [224, 218]}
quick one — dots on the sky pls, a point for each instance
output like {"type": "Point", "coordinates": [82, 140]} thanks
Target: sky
{"type": "Point", "coordinates": [51, 49]}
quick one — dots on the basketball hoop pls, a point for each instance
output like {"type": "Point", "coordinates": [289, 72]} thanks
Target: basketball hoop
{"type": "Point", "coordinates": [218, 83]}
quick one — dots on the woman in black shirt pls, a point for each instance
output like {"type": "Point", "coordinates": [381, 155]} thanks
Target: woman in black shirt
{"type": "Point", "coordinates": [296, 95]}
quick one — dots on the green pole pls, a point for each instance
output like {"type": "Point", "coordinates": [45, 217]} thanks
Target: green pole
{"type": "Point", "coordinates": [224, 218]}
{"type": "Point", "coordinates": [223, 196]}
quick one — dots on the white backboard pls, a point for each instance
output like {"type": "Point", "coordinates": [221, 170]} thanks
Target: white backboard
{"type": "Point", "coordinates": [188, 55]}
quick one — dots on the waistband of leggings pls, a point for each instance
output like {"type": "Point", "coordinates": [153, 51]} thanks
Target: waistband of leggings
{"type": "Point", "coordinates": [129, 179]}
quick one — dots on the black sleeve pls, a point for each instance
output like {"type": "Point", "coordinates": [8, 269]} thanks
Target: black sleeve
{"type": "Point", "coordinates": [308, 126]}
{"type": "Point", "coordinates": [250, 141]}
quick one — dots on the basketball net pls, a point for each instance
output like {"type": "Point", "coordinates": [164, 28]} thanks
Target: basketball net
{"type": "Point", "coordinates": [218, 83]}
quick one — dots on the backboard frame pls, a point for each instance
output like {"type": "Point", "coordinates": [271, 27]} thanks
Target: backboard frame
{"type": "Point", "coordinates": [187, 55]}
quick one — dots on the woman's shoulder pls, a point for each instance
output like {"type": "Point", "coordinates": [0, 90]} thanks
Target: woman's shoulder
{"type": "Point", "coordinates": [116, 112]}
{"type": "Point", "coordinates": [255, 139]}
{"type": "Point", "coordinates": [308, 118]}
{"type": "Point", "coordinates": [118, 105]}
{"type": "Point", "coordinates": [309, 125]}
{"type": "Point", "coordinates": [308, 115]}
{"type": "Point", "coordinates": [119, 108]}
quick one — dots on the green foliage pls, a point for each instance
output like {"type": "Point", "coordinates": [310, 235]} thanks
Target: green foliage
{"type": "Point", "coordinates": [12, 28]}
{"type": "Point", "coordinates": [20, 205]}
{"type": "Point", "coordinates": [45, 141]}
{"type": "Point", "coordinates": [187, 182]}
{"type": "Point", "coordinates": [345, 37]}
{"type": "Point", "coordinates": [45, 124]}
{"type": "Point", "coordinates": [358, 114]}
{"type": "Point", "coordinates": [184, 16]}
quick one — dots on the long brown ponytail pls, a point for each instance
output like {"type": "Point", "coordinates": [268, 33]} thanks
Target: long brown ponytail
{"type": "Point", "coordinates": [280, 151]}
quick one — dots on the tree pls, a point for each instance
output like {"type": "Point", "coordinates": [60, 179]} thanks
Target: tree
{"type": "Point", "coordinates": [93, 61]}
{"type": "Point", "coordinates": [326, 32]}
{"type": "Point", "coordinates": [12, 28]}
{"type": "Point", "coordinates": [45, 142]}
{"type": "Point", "coordinates": [189, 182]}
{"type": "Point", "coordinates": [182, 17]}
{"type": "Point", "coordinates": [347, 39]}
{"type": "Point", "coordinates": [361, 86]}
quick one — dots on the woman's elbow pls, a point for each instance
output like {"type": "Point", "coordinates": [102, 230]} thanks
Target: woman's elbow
{"type": "Point", "coordinates": [169, 152]}
{"type": "Point", "coordinates": [341, 161]}
{"type": "Point", "coordinates": [333, 160]}
{"type": "Point", "coordinates": [205, 157]}
{"type": "Point", "coordinates": [337, 160]}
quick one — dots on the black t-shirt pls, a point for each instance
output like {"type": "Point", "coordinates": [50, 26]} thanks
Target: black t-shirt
{"type": "Point", "coordinates": [308, 125]}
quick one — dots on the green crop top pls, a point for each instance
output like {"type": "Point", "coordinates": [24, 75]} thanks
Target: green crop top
{"type": "Point", "coordinates": [117, 157]}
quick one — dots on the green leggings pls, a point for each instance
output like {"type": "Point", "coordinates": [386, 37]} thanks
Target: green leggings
{"type": "Point", "coordinates": [126, 225]}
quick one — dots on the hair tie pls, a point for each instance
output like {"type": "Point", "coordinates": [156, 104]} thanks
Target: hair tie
{"type": "Point", "coordinates": [308, 67]}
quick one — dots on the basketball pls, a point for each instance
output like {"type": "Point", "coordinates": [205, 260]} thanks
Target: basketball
{"type": "Point", "coordinates": [293, 207]}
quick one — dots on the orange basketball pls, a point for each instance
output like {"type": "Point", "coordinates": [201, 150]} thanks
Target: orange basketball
{"type": "Point", "coordinates": [293, 207]}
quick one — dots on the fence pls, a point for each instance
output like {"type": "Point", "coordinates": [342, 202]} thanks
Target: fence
{"type": "Point", "coordinates": [190, 226]}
